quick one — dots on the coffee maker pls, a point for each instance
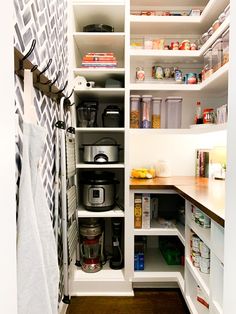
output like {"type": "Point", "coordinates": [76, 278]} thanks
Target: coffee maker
{"type": "Point", "coordinates": [117, 260]}
{"type": "Point", "coordinates": [87, 114]}
{"type": "Point", "coordinates": [91, 239]}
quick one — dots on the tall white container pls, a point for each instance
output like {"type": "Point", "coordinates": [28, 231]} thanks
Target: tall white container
{"type": "Point", "coordinates": [173, 112]}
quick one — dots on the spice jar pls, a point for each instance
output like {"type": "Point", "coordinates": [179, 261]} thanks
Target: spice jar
{"type": "Point", "coordinates": [208, 116]}
{"type": "Point", "coordinates": [146, 106]}
{"type": "Point", "coordinates": [140, 74]}
{"type": "Point", "coordinates": [156, 114]}
{"type": "Point", "coordinates": [135, 111]}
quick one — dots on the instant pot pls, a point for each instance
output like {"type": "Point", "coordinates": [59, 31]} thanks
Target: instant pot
{"type": "Point", "coordinates": [98, 190]}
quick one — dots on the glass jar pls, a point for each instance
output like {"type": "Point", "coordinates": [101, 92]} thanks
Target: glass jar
{"type": "Point", "coordinates": [156, 113]}
{"type": "Point", "coordinates": [217, 54]}
{"type": "Point", "coordinates": [208, 68]}
{"type": "Point", "coordinates": [135, 111]}
{"type": "Point", "coordinates": [225, 39]}
{"type": "Point", "coordinates": [146, 116]}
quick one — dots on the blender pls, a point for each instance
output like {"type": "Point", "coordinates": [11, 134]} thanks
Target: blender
{"type": "Point", "coordinates": [91, 244]}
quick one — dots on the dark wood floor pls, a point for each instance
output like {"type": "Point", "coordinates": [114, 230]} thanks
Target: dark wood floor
{"type": "Point", "coordinates": [154, 301]}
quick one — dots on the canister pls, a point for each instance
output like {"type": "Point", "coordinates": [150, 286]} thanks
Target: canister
{"type": "Point", "coordinates": [204, 220]}
{"type": "Point", "coordinates": [146, 112]}
{"type": "Point", "coordinates": [195, 243]}
{"type": "Point", "coordinates": [196, 259]}
{"type": "Point", "coordinates": [204, 265]}
{"type": "Point", "coordinates": [204, 250]}
{"type": "Point", "coordinates": [173, 112]}
{"type": "Point", "coordinates": [217, 54]}
{"type": "Point", "coordinates": [208, 68]}
{"type": "Point", "coordinates": [135, 111]}
{"type": "Point", "coordinates": [225, 39]}
{"type": "Point", "coordinates": [156, 113]}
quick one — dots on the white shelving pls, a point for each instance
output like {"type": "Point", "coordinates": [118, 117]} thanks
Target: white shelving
{"type": "Point", "coordinates": [116, 212]}
{"type": "Point", "coordinates": [99, 73]}
{"type": "Point", "coordinates": [156, 229]}
{"type": "Point", "coordinates": [157, 270]}
{"type": "Point", "coordinates": [217, 81]}
{"type": "Point", "coordinates": [203, 233]}
{"type": "Point", "coordinates": [201, 278]}
{"type": "Point", "coordinates": [101, 92]}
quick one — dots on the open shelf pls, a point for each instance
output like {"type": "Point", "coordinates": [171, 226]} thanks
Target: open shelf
{"type": "Point", "coordinates": [218, 81]}
{"type": "Point", "coordinates": [157, 229]}
{"type": "Point", "coordinates": [201, 278]}
{"type": "Point", "coordinates": [177, 24]}
{"type": "Point", "coordinates": [99, 166]}
{"type": "Point", "coordinates": [99, 73]}
{"type": "Point", "coordinates": [203, 233]}
{"type": "Point", "coordinates": [101, 92]}
{"type": "Point", "coordinates": [157, 270]}
{"type": "Point", "coordinates": [116, 212]}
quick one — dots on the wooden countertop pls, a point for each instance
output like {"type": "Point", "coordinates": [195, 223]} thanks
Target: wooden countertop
{"type": "Point", "coordinates": [207, 194]}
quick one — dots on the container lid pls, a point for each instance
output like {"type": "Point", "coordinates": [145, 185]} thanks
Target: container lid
{"type": "Point", "coordinates": [174, 98]}
{"type": "Point", "coordinates": [156, 99]}
{"type": "Point", "coordinates": [205, 34]}
{"type": "Point", "coordinates": [208, 50]}
{"type": "Point", "coordinates": [147, 96]}
{"type": "Point", "coordinates": [135, 96]}
{"type": "Point", "coordinates": [216, 22]}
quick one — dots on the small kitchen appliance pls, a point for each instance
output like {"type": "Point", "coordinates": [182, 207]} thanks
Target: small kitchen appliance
{"type": "Point", "coordinates": [117, 261]}
{"type": "Point", "coordinates": [87, 114]}
{"type": "Point", "coordinates": [105, 150]}
{"type": "Point", "coordinates": [112, 117]}
{"type": "Point", "coordinates": [91, 236]}
{"type": "Point", "coordinates": [98, 190]}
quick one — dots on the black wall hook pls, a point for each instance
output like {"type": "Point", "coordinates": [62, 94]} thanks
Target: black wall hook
{"type": "Point", "coordinates": [34, 68]}
{"type": "Point", "coordinates": [70, 94]}
{"type": "Point", "coordinates": [53, 82]}
{"type": "Point", "coordinates": [61, 90]}
{"type": "Point", "coordinates": [28, 54]}
{"type": "Point", "coordinates": [44, 70]}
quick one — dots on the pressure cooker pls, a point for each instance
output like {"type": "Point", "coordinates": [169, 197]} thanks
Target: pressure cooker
{"type": "Point", "coordinates": [98, 190]}
{"type": "Point", "coordinates": [105, 150]}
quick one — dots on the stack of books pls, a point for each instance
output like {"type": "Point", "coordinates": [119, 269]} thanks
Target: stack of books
{"type": "Point", "coordinates": [99, 60]}
{"type": "Point", "coordinates": [203, 163]}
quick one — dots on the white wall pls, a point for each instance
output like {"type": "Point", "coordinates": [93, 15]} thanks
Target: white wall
{"type": "Point", "coordinates": [147, 147]}
{"type": "Point", "coordinates": [8, 301]}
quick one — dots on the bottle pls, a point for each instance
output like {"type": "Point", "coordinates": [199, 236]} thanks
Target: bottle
{"type": "Point", "coordinates": [198, 115]}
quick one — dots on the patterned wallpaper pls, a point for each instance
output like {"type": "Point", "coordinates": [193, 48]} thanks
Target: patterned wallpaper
{"type": "Point", "coordinates": [45, 21]}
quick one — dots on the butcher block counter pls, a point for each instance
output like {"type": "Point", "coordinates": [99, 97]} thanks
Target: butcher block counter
{"type": "Point", "coordinates": [207, 194]}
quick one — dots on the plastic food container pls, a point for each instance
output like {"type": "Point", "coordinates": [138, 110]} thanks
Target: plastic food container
{"type": "Point", "coordinates": [173, 112]}
{"type": "Point", "coordinates": [221, 17]}
{"type": "Point", "coordinates": [215, 25]}
{"type": "Point", "coordinates": [135, 111]}
{"type": "Point", "coordinates": [156, 113]}
{"type": "Point", "coordinates": [225, 39]}
{"type": "Point", "coordinates": [208, 68]}
{"type": "Point", "coordinates": [210, 31]}
{"type": "Point", "coordinates": [217, 54]}
{"type": "Point", "coordinates": [227, 11]}
{"type": "Point", "coordinates": [146, 112]}
{"type": "Point", "coordinates": [205, 37]}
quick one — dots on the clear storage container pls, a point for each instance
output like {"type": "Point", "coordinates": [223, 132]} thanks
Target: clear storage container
{"type": "Point", "coordinates": [204, 37]}
{"type": "Point", "coordinates": [217, 54]}
{"type": "Point", "coordinates": [135, 111]}
{"type": "Point", "coordinates": [173, 112]}
{"type": "Point", "coordinates": [146, 112]}
{"type": "Point", "coordinates": [156, 112]}
{"type": "Point", "coordinates": [208, 68]}
{"type": "Point", "coordinates": [225, 39]}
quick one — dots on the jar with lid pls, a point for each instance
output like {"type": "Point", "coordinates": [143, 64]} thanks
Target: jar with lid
{"type": "Point", "coordinates": [140, 74]}
{"type": "Point", "coordinates": [156, 112]}
{"type": "Point", "coordinates": [225, 39]}
{"type": "Point", "coordinates": [135, 111]}
{"type": "Point", "coordinates": [146, 112]}
{"type": "Point", "coordinates": [208, 67]}
{"type": "Point", "coordinates": [217, 54]}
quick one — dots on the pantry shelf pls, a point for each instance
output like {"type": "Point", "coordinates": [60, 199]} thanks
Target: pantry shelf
{"type": "Point", "coordinates": [201, 278]}
{"type": "Point", "coordinates": [157, 270]}
{"type": "Point", "coordinates": [203, 233]}
{"type": "Point", "coordinates": [101, 92]}
{"type": "Point", "coordinates": [99, 73]}
{"type": "Point", "coordinates": [116, 212]}
{"type": "Point", "coordinates": [100, 166]}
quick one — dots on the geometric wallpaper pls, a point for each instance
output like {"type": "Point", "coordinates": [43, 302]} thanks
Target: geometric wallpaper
{"type": "Point", "coordinates": [45, 21]}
